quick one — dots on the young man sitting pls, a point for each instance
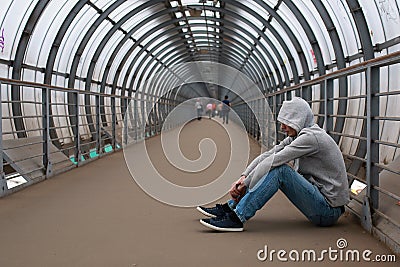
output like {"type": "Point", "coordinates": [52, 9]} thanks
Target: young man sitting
{"type": "Point", "coordinates": [317, 184]}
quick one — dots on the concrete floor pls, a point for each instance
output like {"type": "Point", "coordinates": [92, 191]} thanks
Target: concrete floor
{"type": "Point", "coordinates": [96, 215]}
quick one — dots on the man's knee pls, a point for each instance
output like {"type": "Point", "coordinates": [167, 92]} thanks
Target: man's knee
{"type": "Point", "coordinates": [283, 169]}
{"type": "Point", "coordinates": [283, 172]}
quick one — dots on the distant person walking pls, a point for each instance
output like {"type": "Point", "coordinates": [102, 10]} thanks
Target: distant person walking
{"type": "Point", "coordinates": [199, 109]}
{"type": "Point", "coordinates": [226, 107]}
{"type": "Point", "coordinates": [214, 109]}
{"type": "Point", "coordinates": [219, 109]}
{"type": "Point", "coordinates": [209, 110]}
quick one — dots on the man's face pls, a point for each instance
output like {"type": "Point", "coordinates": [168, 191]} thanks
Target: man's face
{"type": "Point", "coordinates": [288, 130]}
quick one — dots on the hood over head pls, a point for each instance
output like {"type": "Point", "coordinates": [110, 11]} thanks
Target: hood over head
{"type": "Point", "coordinates": [296, 113]}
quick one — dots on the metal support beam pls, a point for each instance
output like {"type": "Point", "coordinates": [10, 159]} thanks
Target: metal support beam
{"type": "Point", "coordinates": [136, 120]}
{"type": "Point", "coordinates": [75, 128]}
{"type": "Point", "coordinates": [371, 200]}
{"type": "Point", "coordinates": [372, 171]}
{"type": "Point", "coordinates": [340, 63]}
{"type": "Point", "coordinates": [328, 105]}
{"type": "Point", "coordinates": [3, 182]}
{"type": "Point", "coordinates": [125, 127]}
{"type": "Point", "coordinates": [53, 55]}
{"type": "Point", "coordinates": [98, 126]}
{"type": "Point", "coordinates": [270, 142]}
{"type": "Point", "coordinates": [17, 65]}
{"type": "Point", "coordinates": [366, 217]}
{"type": "Point", "coordinates": [113, 122]}
{"type": "Point", "coordinates": [46, 131]}
{"type": "Point", "coordinates": [368, 50]}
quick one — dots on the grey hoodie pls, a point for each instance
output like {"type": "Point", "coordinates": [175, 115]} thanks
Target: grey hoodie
{"type": "Point", "coordinates": [317, 157]}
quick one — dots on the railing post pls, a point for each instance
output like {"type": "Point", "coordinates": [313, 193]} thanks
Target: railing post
{"type": "Point", "coordinates": [154, 123]}
{"type": "Point", "coordinates": [278, 103]}
{"type": "Point", "coordinates": [270, 121]}
{"type": "Point", "coordinates": [3, 182]}
{"type": "Point", "coordinates": [127, 106]}
{"type": "Point", "coordinates": [371, 200]}
{"type": "Point", "coordinates": [98, 125]}
{"type": "Point", "coordinates": [328, 105]}
{"type": "Point", "coordinates": [76, 130]}
{"type": "Point", "coordinates": [261, 115]}
{"type": "Point", "coordinates": [247, 118]}
{"type": "Point", "coordinates": [125, 127]}
{"type": "Point", "coordinates": [113, 121]}
{"type": "Point", "coordinates": [256, 126]}
{"type": "Point", "coordinates": [143, 117]}
{"type": "Point", "coordinates": [135, 119]}
{"type": "Point", "coordinates": [46, 131]}
{"type": "Point", "coordinates": [275, 117]}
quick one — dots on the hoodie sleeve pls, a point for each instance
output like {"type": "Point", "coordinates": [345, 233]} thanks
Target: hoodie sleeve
{"type": "Point", "coordinates": [265, 155]}
{"type": "Point", "coordinates": [303, 145]}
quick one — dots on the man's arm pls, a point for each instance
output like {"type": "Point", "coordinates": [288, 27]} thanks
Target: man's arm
{"type": "Point", "coordinates": [305, 144]}
{"type": "Point", "coordinates": [266, 154]}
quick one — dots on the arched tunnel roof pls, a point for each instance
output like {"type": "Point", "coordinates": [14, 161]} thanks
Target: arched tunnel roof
{"type": "Point", "coordinates": [115, 47]}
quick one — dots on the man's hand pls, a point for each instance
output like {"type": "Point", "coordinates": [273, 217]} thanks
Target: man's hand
{"type": "Point", "coordinates": [238, 189]}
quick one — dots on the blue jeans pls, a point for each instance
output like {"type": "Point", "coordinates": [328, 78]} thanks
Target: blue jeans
{"type": "Point", "coordinates": [304, 195]}
{"type": "Point", "coordinates": [225, 116]}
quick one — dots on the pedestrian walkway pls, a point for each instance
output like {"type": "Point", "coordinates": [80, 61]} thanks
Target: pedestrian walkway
{"type": "Point", "coordinates": [96, 215]}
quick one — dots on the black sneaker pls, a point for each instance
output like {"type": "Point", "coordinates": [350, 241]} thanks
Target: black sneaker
{"type": "Point", "coordinates": [228, 223]}
{"type": "Point", "coordinates": [217, 211]}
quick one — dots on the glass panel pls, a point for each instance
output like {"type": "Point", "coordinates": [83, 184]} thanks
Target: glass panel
{"type": "Point", "coordinates": [317, 25]}
{"type": "Point", "coordinates": [158, 36]}
{"type": "Point", "coordinates": [8, 124]}
{"type": "Point", "coordinates": [248, 29]}
{"type": "Point", "coordinates": [245, 15]}
{"type": "Point", "coordinates": [30, 109]}
{"type": "Point", "coordinates": [287, 42]}
{"type": "Point", "coordinates": [297, 29]}
{"type": "Point", "coordinates": [136, 65]}
{"type": "Point", "coordinates": [124, 73]}
{"type": "Point", "coordinates": [389, 13]}
{"type": "Point", "coordinates": [246, 37]}
{"type": "Point", "coordinates": [124, 9]}
{"type": "Point", "coordinates": [46, 31]}
{"type": "Point", "coordinates": [147, 75]}
{"type": "Point", "coordinates": [122, 52]}
{"type": "Point", "coordinates": [73, 38]}
{"type": "Point", "coordinates": [160, 39]}
{"type": "Point", "coordinates": [140, 17]}
{"type": "Point", "coordinates": [374, 21]}
{"type": "Point", "coordinates": [259, 9]}
{"type": "Point", "coordinates": [91, 48]}
{"type": "Point", "coordinates": [105, 56]}
{"type": "Point", "coordinates": [344, 23]}
{"type": "Point", "coordinates": [13, 23]}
